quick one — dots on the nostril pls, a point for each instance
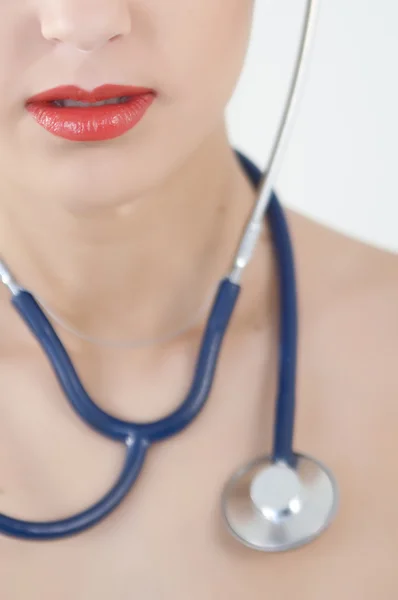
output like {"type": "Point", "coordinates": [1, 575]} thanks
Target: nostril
{"type": "Point", "coordinates": [90, 43]}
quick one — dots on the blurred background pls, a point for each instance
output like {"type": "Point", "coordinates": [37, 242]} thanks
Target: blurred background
{"type": "Point", "coordinates": [341, 165]}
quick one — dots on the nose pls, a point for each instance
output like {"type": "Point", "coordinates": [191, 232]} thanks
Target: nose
{"type": "Point", "coordinates": [85, 24]}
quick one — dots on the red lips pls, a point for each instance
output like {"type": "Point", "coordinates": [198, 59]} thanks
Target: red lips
{"type": "Point", "coordinates": [104, 92]}
{"type": "Point", "coordinates": [90, 123]}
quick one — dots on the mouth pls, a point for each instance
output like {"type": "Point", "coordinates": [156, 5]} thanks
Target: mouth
{"type": "Point", "coordinates": [77, 115]}
{"type": "Point", "coordinates": [78, 104]}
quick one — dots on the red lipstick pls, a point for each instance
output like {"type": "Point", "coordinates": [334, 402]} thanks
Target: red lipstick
{"type": "Point", "coordinates": [51, 110]}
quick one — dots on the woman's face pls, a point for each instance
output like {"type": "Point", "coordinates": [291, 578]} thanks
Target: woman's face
{"type": "Point", "coordinates": [190, 52]}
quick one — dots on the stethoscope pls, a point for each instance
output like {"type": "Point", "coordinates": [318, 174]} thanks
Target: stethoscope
{"type": "Point", "coordinates": [277, 502]}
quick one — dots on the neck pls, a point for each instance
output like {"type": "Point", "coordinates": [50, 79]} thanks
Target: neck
{"type": "Point", "coordinates": [145, 268]}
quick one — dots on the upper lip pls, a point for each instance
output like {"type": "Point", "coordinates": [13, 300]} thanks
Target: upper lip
{"type": "Point", "coordinates": [72, 92]}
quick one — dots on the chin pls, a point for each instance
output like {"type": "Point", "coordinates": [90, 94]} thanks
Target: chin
{"type": "Point", "coordinates": [86, 184]}
{"type": "Point", "coordinates": [98, 197]}
{"type": "Point", "coordinates": [113, 175]}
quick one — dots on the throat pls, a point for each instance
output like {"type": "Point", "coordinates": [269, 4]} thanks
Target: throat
{"type": "Point", "coordinates": [138, 275]}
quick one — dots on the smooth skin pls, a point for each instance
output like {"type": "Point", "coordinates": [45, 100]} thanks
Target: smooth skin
{"type": "Point", "coordinates": [127, 239]}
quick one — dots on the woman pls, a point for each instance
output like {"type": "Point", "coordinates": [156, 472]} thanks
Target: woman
{"type": "Point", "coordinates": [125, 234]}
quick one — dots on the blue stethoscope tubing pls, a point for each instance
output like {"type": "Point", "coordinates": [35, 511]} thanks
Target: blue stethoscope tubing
{"type": "Point", "coordinates": [138, 437]}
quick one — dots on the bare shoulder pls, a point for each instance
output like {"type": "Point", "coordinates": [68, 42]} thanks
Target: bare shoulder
{"type": "Point", "coordinates": [348, 299]}
{"type": "Point", "coordinates": [342, 277]}
{"type": "Point", "coordinates": [347, 396]}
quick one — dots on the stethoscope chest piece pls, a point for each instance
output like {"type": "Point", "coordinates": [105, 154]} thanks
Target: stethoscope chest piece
{"type": "Point", "coordinates": [272, 506]}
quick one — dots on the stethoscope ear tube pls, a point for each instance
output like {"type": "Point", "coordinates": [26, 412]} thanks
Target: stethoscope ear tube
{"type": "Point", "coordinates": [64, 370]}
{"type": "Point", "coordinates": [117, 429]}
{"type": "Point", "coordinates": [267, 182]}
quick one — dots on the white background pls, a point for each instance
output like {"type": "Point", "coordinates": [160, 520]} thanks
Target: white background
{"type": "Point", "coordinates": [341, 164]}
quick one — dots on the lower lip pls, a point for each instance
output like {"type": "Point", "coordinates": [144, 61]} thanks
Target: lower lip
{"type": "Point", "coordinates": [91, 124]}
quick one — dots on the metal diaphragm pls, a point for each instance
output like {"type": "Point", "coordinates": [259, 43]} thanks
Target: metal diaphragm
{"type": "Point", "coordinates": [272, 507]}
